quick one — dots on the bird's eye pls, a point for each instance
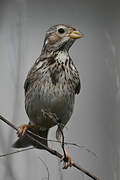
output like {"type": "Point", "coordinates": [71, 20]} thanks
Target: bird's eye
{"type": "Point", "coordinates": [61, 30]}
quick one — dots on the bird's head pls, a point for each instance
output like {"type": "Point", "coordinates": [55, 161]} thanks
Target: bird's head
{"type": "Point", "coordinates": [60, 37]}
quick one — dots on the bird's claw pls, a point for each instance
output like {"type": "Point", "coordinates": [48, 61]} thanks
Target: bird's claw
{"type": "Point", "coordinates": [67, 161]}
{"type": "Point", "coordinates": [22, 129]}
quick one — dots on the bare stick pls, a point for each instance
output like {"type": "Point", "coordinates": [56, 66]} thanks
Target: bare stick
{"type": "Point", "coordinates": [15, 152]}
{"type": "Point", "coordinates": [53, 152]}
{"type": "Point", "coordinates": [8, 122]}
{"type": "Point", "coordinates": [66, 143]}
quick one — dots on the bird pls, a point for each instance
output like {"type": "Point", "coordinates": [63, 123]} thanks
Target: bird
{"type": "Point", "coordinates": [50, 87]}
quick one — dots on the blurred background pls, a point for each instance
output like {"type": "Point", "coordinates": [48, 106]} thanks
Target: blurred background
{"type": "Point", "coordinates": [95, 122]}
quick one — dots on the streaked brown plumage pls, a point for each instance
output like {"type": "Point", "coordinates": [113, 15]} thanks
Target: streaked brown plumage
{"type": "Point", "coordinates": [52, 83]}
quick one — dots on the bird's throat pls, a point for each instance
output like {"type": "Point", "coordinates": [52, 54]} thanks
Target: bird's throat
{"type": "Point", "coordinates": [62, 56]}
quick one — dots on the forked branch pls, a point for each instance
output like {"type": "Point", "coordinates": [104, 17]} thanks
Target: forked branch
{"type": "Point", "coordinates": [52, 151]}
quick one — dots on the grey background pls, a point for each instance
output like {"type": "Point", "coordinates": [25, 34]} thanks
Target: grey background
{"type": "Point", "coordinates": [95, 121]}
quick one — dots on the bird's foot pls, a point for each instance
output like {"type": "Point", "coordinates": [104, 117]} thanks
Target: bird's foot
{"type": "Point", "coordinates": [23, 128]}
{"type": "Point", "coordinates": [67, 161]}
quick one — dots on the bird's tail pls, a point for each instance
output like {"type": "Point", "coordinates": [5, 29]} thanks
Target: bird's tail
{"type": "Point", "coordinates": [24, 141]}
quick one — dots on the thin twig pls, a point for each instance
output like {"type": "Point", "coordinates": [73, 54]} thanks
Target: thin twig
{"type": "Point", "coordinates": [8, 122]}
{"type": "Point", "coordinates": [15, 152]}
{"type": "Point", "coordinates": [66, 143]}
{"type": "Point", "coordinates": [53, 152]}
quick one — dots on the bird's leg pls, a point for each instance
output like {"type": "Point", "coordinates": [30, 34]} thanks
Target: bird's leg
{"type": "Point", "coordinates": [23, 128]}
{"type": "Point", "coordinates": [68, 162]}
{"type": "Point", "coordinates": [66, 158]}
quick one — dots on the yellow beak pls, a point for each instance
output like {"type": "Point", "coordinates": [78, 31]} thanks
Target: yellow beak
{"type": "Point", "coordinates": [75, 35]}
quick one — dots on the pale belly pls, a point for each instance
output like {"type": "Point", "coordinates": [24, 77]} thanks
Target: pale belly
{"type": "Point", "coordinates": [47, 107]}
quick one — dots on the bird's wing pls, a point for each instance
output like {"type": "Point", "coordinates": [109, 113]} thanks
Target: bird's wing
{"type": "Point", "coordinates": [31, 77]}
{"type": "Point", "coordinates": [76, 78]}
{"type": "Point", "coordinates": [78, 86]}
{"type": "Point", "coordinates": [26, 84]}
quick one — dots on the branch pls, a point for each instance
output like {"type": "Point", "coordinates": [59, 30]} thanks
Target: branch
{"type": "Point", "coordinates": [51, 151]}
{"type": "Point", "coordinates": [15, 152]}
{"type": "Point", "coordinates": [66, 143]}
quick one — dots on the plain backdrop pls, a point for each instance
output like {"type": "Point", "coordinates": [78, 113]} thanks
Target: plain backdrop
{"type": "Point", "coordinates": [95, 121]}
